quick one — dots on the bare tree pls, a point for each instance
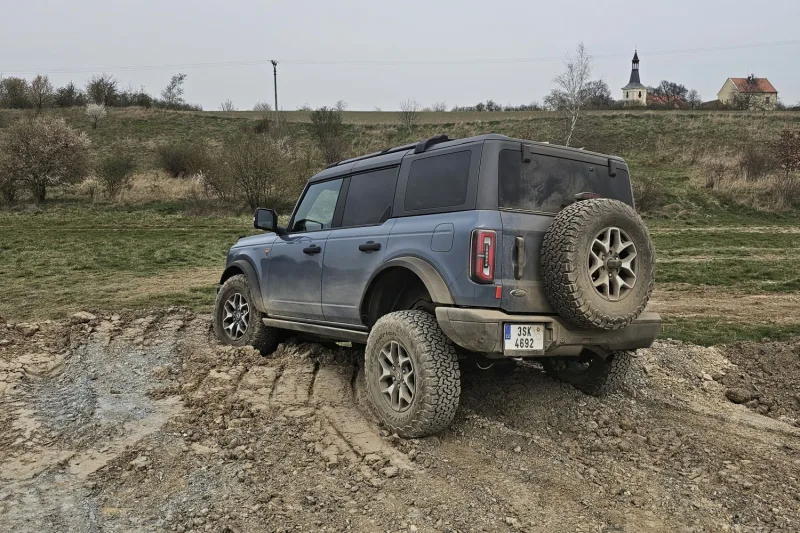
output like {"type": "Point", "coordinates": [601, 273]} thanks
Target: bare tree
{"type": "Point", "coordinates": [409, 113]}
{"type": "Point", "coordinates": [69, 96]}
{"type": "Point", "coordinates": [694, 100]}
{"type": "Point", "coordinates": [41, 92]}
{"type": "Point", "coordinates": [750, 97]}
{"type": "Point", "coordinates": [340, 106]}
{"type": "Point", "coordinates": [264, 107]}
{"type": "Point", "coordinates": [102, 89]}
{"type": "Point", "coordinates": [173, 92]}
{"type": "Point", "coordinates": [669, 94]}
{"type": "Point", "coordinates": [439, 107]}
{"type": "Point", "coordinates": [571, 95]}
{"type": "Point", "coordinates": [95, 112]}
{"type": "Point", "coordinates": [227, 105]}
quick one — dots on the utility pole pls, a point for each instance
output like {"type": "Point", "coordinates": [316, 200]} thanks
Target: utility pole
{"type": "Point", "coordinates": [275, 78]}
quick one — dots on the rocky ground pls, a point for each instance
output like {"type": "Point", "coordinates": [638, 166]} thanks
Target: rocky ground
{"type": "Point", "coordinates": [145, 423]}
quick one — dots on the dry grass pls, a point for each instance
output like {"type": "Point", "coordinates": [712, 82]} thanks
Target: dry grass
{"type": "Point", "coordinates": [158, 186]}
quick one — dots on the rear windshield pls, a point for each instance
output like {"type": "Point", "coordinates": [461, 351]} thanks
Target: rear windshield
{"type": "Point", "coordinates": [549, 184]}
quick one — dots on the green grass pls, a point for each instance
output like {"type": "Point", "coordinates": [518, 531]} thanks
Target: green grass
{"type": "Point", "coordinates": [74, 256]}
{"type": "Point", "coordinates": [82, 257]}
{"type": "Point", "coordinates": [710, 331]}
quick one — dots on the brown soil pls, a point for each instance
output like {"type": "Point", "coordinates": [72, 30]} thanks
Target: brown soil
{"type": "Point", "coordinates": [145, 423]}
{"type": "Point", "coordinates": [773, 308]}
{"type": "Point", "coordinates": [769, 374]}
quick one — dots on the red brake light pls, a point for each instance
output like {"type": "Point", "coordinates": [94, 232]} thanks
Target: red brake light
{"type": "Point", "coordinates": [482, 256]}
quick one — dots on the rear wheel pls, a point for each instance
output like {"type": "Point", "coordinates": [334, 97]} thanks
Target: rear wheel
{"type": "Point", "coordinates": [412, 373]}
{"type": "Point", "coordinates": [236, 320]}
{"type": "Point", "coordinates": [589, 372]}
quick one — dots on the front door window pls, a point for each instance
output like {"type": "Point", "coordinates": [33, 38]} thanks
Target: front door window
{"type": "Point", "coordinates": [317, 207]}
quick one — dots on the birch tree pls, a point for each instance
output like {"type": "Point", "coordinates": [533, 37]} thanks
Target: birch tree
{"type": "Point", "coordinates": [571, 94]}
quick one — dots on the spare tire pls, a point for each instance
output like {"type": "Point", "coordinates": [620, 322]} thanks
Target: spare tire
{"type": "Point", "coordinates": [597, 264]}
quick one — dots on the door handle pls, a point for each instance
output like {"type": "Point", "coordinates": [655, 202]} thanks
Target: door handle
{"type": "Point", "coordinates": [313, 249]}
{"type": "Point", "coordinates": [370, 246]}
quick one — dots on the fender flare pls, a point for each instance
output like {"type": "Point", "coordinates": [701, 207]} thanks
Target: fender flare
{"type": "Point", "coordinates": [426, 272]}
{"type": "Point", "coordinates": [249, 271]}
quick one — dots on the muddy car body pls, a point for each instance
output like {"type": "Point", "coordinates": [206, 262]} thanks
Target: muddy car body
{"type": "Point", "coordinates": [448, 252]}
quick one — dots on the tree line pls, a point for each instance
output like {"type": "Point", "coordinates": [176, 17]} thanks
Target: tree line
{"type": "Point", "coordinates": [101, 89]}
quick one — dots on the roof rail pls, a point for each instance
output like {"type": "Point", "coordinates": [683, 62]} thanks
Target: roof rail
{"type": "Point", "coordinates": [423, 146]}
{"type": "Point", "coordinates": [374, 154]}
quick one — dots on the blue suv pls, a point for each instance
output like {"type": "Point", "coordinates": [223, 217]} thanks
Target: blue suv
{"type": "Point", "coordinates": [452, 253]}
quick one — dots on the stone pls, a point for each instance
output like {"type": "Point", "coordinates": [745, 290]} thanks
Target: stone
{"type": "Point", "coordinates": [518, 449]}
{"type": "Point", "coordinates": [140, 463]}
{"type": "Point", "coordinates": [82, 317]}
{"type": "Point", "coordinates": [739, 395]}
{"type": "Point", "coordinates": [624, 446]}
{"type": "Point", "coordinates": [389, 471]}
{"type": "Point", "coordinates": [27, 330]}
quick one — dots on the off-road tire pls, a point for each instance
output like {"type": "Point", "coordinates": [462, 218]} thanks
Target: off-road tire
{"type": "Point", "coordinates": [565, 269]}
{"type": "Point", "coordinates": [437, 375]}
{"type": "Point", "coordinates": [601, 377]}
{"type": "Point", "coordinates": [257, 335]}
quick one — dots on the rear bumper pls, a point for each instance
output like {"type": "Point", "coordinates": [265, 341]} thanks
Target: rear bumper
{"type": "Point", "coordinates": [481, 330]}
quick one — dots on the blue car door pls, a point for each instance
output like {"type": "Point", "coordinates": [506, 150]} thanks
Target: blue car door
{"type": "Point", "coordinates": [294, 283]}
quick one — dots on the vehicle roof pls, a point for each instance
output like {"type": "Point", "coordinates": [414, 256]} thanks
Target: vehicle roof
{"type": "Point", "coordinates": [392, 156]}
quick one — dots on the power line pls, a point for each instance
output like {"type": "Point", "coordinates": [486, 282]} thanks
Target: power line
{"type": "Point", "coordinates": [385, 62]}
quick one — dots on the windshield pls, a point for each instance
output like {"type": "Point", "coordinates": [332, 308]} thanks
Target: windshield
{"type": "Point", "coordinates": [549, 184]}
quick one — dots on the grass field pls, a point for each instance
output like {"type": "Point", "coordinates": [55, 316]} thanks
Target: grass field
{"type": "Point", "coordinates": [713, 252]}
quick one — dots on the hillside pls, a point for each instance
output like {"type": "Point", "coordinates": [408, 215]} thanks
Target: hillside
{"type": "Point", "coordinates": [727, 253]}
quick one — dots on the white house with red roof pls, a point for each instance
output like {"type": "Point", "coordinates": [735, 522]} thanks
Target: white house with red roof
{"type": "Point", "coordinates": [749, 93]}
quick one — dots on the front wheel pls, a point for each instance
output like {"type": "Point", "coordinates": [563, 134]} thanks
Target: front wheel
{"type": "Point", "coordinates": [589, 372]}
{"type": "Point", "coordinates": [412, 373]}
{"type": "Point", "coordinates": [236, 320]}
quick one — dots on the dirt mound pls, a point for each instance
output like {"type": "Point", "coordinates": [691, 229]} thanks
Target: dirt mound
{"type": "Point", "coordinates": [145, 423]}
{"type": "Point", "coordinates": [766, 378]}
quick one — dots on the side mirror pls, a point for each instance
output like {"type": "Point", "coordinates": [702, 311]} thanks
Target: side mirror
{"type": "Point", "coordinates": [266, 219]}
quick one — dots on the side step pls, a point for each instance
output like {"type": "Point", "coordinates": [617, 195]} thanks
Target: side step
{"type": "Point", "coordinates": [340, 334]}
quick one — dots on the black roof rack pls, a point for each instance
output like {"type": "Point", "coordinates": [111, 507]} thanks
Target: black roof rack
{"type": "Point", "coordinates": [423, 146]}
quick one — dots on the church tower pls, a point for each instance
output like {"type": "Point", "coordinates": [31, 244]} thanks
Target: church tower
{"type": "Point", "coordinates": [635, 92]}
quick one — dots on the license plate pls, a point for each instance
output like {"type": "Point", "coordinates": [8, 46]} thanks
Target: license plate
{"type": "Point", "coordinates": [523, 338]}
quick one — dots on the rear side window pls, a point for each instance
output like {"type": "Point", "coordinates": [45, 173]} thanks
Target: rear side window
{"type": "Point", "coordinates": [369, 199]}
{"type": "Point", "coordinates": [549, 184]}
{"type": "Point", "coordinates": [439, 181]}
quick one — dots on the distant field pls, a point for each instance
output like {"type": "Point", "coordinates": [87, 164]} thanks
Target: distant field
{"type": "Point", "coordinates": [453, 117]}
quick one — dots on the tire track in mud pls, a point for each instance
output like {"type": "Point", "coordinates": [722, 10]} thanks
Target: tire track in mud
{"type": "Point", "coordinates": [77, 416]}
{"type": "Point", "coordinates": [289, 442]}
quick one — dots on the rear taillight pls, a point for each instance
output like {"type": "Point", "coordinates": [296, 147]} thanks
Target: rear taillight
{"type": "Point", "coordinates": [482, 256]}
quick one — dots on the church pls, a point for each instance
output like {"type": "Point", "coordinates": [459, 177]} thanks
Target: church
{"type": "Point", "coordinates": [635, 93]}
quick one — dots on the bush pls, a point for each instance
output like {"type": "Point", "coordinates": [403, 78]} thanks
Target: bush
{"type": "Point", "coordinates": [755, 161]}
{"type": "Point", "coordinates": [41, 153]}
{"type": "Point", "coordinates": [182, 159]}
{"type": "Point", "coordinates": [15, 93]}
{"type": "Point", "coordinates": [327, 126]}
{"type": "Point", "coordinates": [647, 194]}
{"type": "Point", "coordinates": [255, 170]}
{"type": "Point", "coordinates": [114, 173]}
{"type": "Point", "coordinates": [787, 151]}
{"type": "Point", "coordinates": [95, 112]}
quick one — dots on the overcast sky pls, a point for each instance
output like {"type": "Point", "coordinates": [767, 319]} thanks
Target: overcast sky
{"type": "Point", "coordinates": [427, 51]}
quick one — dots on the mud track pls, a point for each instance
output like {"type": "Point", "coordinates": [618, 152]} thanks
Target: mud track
{"type": "Point", "coordinates": [145, 423]}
